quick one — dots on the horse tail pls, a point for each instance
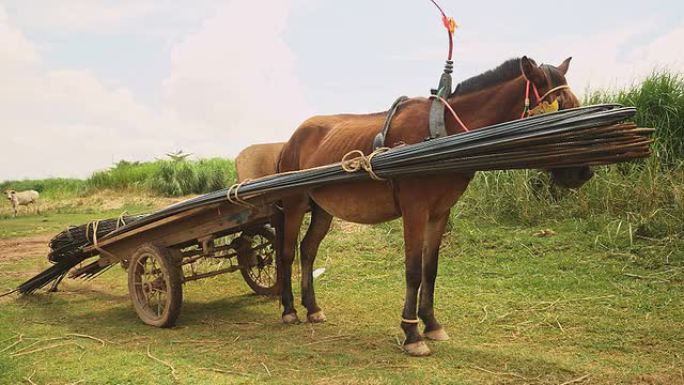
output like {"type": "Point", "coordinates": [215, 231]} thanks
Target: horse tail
{"type": "Point", "coordinates": [278, 222]}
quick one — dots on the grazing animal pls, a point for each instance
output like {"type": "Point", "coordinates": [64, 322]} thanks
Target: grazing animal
{"type": "Point", "coordinates": [423, 202]}
{"type": "Point", "coordinates": [22, 198]}
{"type": "Point", "coordinates": [258, 160]}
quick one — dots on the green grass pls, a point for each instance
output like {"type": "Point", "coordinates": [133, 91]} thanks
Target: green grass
{"type": "Point", "coordinates": [519, 308]}
{"type": "Point", "coordinates": [53, 223]}
{"type": "Point", "coordinates": [169, 178]}
{"type": "Point", "coordinates": [56, 188]}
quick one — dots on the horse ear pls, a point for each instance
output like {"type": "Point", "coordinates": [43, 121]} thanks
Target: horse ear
{"type": "Point", "coordinates": [563, 68]}
{"type": "Point", "coordinates": [531, 71]}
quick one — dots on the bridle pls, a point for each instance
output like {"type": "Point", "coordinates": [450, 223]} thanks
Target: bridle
{"type": "Point", "coordinates": [540, 99]}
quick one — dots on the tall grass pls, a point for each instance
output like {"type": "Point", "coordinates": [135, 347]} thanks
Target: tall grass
{"type": "Point", "coordinates": [161, 177]}
{"type": "Point", "coordinates": [123, 175]}
{"type": "Point", "coordinates": [660, 102]}
{"type": "Point", "coordinates": [644, 196]}
{"type": "Point", "coordinates": [51, 187]}
{"type": "Point", "coordinates": [167, 177]}
{"type": "Point", "coordinates": [174, 178]}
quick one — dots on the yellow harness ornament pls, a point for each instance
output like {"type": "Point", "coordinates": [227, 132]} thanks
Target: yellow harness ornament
{"type": "Point", "coordinates": [544, 108]}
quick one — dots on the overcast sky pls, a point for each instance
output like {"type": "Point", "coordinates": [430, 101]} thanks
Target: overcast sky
{"type": "Point", "coordinates": [84, 83]}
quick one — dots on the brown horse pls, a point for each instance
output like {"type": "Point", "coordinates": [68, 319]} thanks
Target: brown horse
{"type": "Point", "coordinates": [258, 160]}
{"type": "Point", "coordinates": [423, 202]}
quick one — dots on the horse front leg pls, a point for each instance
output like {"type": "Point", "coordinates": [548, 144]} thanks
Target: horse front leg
{"type": "Point", "coordinates": [433, 239]}
{"type": "Point", "coordinates": [415, 220]}
{"type": "Point", "coordinates": [318, 229]}
{"type": "Point", "coordinates": [293, 214]}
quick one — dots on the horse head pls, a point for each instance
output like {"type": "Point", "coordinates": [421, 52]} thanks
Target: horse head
{"type": "Point", "coordinates": [557, 97]}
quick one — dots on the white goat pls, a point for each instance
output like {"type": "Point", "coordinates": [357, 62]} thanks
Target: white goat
{"type": "Point", "coordinates": [22, 198]}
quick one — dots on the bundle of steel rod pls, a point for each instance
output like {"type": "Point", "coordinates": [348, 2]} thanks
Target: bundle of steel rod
{"type": "Point", "coordinates": [67, 251]}
{"type": "Point", "coordinates": [586, 136]}
{"type": "Point", "coordinates": [71, 241]}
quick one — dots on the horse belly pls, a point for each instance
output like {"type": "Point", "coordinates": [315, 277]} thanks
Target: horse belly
{"type": "Point", "coordinates": [364, 202]}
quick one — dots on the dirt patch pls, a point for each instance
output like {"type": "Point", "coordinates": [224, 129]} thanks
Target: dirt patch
{"type": "Point", "coordinates": [660, 379]}
{"type": "Point", "coordinates": [111, 200]}
{"type": "Point", "coordinates": [16, 249]}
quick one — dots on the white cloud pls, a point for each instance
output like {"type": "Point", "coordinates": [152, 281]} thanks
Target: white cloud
{"type": "Point", "coordinates": [612, 59]}
{"type": "Point", "coordinates": [81, 14]}
{"type": "Point", "coordinates": [232, 83]}
{"type": "Point", "coordinates": [15, 49]}
{"type": "Point", "coordinates": [606, 59]}
{"type": "Point", "coordinates": [63, 122]}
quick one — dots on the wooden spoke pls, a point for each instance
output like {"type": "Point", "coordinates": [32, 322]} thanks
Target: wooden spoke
{"type": "Point", "coordinates": [257, 260]}
{"type": "Point", "coordinates": [154, 281]}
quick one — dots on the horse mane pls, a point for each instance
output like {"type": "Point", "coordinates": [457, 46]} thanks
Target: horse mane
{"type": "Point", "coordinates": [509, 70]}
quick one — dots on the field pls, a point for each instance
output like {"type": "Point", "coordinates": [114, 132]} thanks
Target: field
{"type": "Point", "coordinates": [535, 285]}
{"type": "Point", "coordinates": [520, 309]}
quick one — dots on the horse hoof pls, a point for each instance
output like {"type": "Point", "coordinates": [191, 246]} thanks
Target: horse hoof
{"type": "Point", "coordinates": [317, 317]}
{"type": "Point", "coordinates": [437, 335]}
{"type": "Point", "coordinates": [291, 319]}
{"type": "Point", "coordinates": [417, 349]}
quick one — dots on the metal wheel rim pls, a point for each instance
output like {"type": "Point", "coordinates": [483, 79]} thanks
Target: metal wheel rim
{"type": "Point", "coordinates": [151, 286]}
{"type": "Point", "coordinates": [264, 272]}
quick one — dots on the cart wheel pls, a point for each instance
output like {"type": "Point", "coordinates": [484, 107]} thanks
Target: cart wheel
{"type": "Point", "coordinates": [257, 260]}
{"type": "Point", "coordinates": [155, 285]}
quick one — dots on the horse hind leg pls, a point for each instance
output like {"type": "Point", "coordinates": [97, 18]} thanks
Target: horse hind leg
{"type": "Point", "coordinates": [319, 227]}
{"type": "Point", "coordinates": [293, 211]}
{"type": "Point", "coordinates": [433, 239]}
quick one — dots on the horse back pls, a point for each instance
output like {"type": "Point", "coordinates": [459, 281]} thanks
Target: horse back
{"type": "Point", "coordinates": [323, 140]}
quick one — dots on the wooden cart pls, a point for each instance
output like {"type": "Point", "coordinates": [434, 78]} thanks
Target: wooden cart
{"type": "Point", "coordinates": [199, 243]}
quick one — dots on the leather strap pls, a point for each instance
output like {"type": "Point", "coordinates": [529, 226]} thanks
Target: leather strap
{"type": "Point", "coordinates": [437, 125]}
{"type": "Point", "coordinates": [379, 140]}
{"type": "Point", "coordinates": [436, 121]}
